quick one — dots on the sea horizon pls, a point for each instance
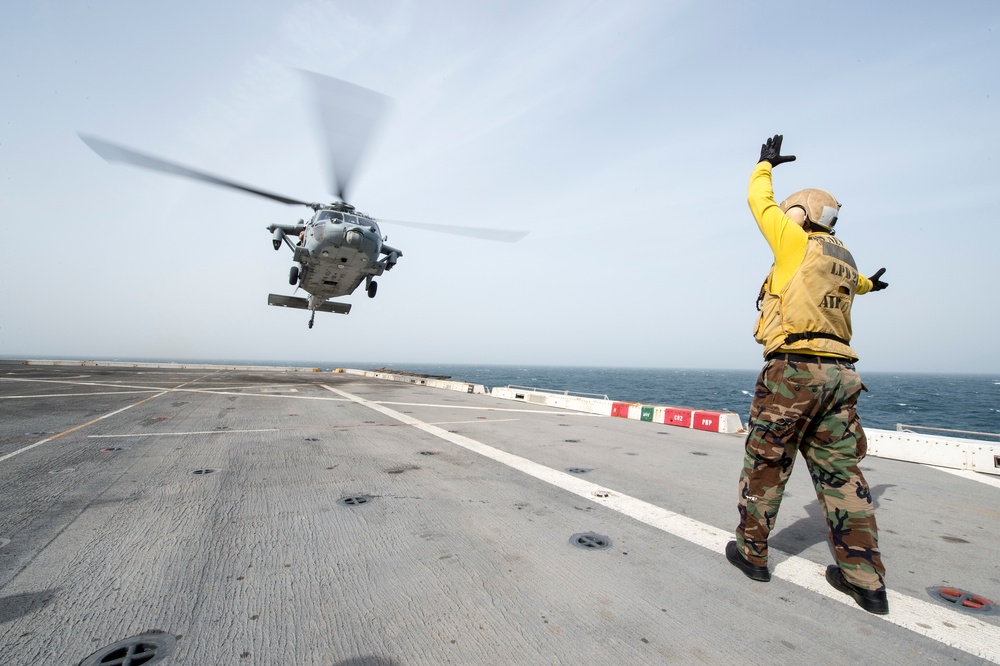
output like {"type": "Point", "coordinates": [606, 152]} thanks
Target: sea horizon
{"type": "Point", "coordinates": [405, 365]}
{"type": "Point", "coordinates": [958, 401]}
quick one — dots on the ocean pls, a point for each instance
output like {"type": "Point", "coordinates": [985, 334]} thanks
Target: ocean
{"type": "Point", "coordinates": [959, 402]}
{"type": "Point", "coordinates": [968, 402]}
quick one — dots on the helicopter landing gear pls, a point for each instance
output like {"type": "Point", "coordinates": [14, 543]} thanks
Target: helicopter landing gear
{"type": "Point", "coordinates": [312, 319]}
{"type": "Point", "coordinates": [293, 276]}
{"type": "Point", "coordinates": [372, 289]}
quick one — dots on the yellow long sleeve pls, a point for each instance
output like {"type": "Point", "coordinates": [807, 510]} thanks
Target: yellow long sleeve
{"type": "Point", "coordinates": [786, 239]}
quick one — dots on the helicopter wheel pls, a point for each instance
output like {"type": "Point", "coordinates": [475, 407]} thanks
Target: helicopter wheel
{"type": "Point", "coordinates": [312, 319]}
{"type": "Point", "coordinates": [293, 276]}
{"type": "Point", "coordinates": [372, 289]}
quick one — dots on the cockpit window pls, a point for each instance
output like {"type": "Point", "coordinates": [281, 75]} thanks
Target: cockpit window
{"type": "Point", "coordinates": [329, 215]}
{"type": "Point", "coordinates": [351, 219]}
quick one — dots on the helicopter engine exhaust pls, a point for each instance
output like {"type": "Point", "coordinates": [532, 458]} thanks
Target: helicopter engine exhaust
{"type": "Point", "coordinates": [391, 260]}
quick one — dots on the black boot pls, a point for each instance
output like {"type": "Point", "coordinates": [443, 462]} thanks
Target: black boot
{"type": "Point", "coordinates": [873, 601]}
{"type": "Point", "coordinates": [753, 571]}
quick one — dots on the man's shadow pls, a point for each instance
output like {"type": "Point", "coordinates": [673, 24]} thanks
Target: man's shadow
{"type": "Point", "coordinates": [18, 605]}
{"type": "Point", "coordinates": [811, 530]}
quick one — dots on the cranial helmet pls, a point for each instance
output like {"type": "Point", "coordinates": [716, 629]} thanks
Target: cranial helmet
{"type": "Point", "coordinates": [818, 207]}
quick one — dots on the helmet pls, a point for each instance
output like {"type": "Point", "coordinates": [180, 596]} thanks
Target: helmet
{"type": "Point", "coordinates": [819, 207]}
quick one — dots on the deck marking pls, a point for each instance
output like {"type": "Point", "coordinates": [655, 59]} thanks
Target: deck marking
{"type": "Point", "coordinates": [36, 380]}
{"type": "Point", "coordinates": [988, 479]}
{"type": "Point", "coordinates": [261, 395]}
{"type": "Point", "coordinates": [72, 395]}
{"type": "Point", "coordinates": [177, 434]}
{"type": "Point", "coordinates": [476, 421]}
{"type": "Point", "coordinates": [936, 622]}
{"type": "Point", "coordinates": [92, 421]}
{"type": "Point", "coordinates": [82, 425]}
{"type": "Point", "coordinates": [561, 412]}
{"type": "Point", "coordinates": [179, 389]}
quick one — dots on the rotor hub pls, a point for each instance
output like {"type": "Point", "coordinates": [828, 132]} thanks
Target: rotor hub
{"type": "Point", "coordinates": [341, 206]}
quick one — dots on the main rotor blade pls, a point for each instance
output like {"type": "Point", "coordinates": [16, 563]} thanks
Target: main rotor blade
{"type": "Point", "coordinates": [349, 115]}
{"type": "Point", "coordinates": [115, 153]}
{"type": "Point", "coordinates": [502, 235]}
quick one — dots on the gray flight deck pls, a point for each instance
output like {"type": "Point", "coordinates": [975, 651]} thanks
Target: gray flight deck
{"type": "Point", "coordinates": [272, 517]}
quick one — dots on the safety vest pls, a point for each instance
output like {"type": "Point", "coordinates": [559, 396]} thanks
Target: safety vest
{"type": "Point", "coordinates": [812, 312]}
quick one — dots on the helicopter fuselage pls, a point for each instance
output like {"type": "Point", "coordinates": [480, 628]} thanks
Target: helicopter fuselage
{"type": "Point", "coordinates": [335, 251]}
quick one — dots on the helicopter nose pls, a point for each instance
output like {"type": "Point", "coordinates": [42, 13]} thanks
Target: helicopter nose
{"type": "Point", "coordinates": [353, 238]}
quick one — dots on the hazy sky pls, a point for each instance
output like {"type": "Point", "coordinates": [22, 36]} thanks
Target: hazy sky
{"type": "Point", "coordinates": [621, 133]}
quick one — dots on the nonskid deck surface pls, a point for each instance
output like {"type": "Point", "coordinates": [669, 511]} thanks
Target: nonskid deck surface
{"type": "Point", "coordinates": [321, 518]}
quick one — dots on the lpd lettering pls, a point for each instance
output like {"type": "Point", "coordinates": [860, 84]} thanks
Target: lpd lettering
{"type": "Point", "coordinates": [842, 270]}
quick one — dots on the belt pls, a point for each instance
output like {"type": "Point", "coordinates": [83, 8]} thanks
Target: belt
{"type": "Point", "coordinates": [809, 358]}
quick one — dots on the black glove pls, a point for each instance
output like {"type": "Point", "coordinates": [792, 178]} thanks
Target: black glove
{"type": "Point", "coordinates": [878, 285]}
{"type": "Point", "coordinates": [771, 152]}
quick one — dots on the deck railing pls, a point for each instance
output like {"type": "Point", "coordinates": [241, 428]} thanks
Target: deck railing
{"type": "Point", "coordinates": [578, 394]}
{"type": "Point", "coordinates": [903, 427]}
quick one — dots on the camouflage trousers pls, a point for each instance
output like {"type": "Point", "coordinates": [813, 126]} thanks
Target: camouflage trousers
{"type": "Point", "coordinates": [810, 407]}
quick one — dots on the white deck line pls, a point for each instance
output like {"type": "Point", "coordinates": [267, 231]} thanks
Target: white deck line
{"type": "Point", "coordinates": [970, 475]}
{"type": "Point", "coordinates": [72, 395]}
{"type": "Point", "coordinates": [82, 425]}
{"type": "Point", "coordinates": [153, 389]}
{"type": "Point", "coordinates": [181, 434]}
{"type": "Point", "coordinates": [938, 623]}
{"type": "Point", "coordinates": [92, 421]}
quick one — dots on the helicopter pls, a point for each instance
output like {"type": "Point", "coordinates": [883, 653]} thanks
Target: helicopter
{"type": "Point", "coordinates": [339, 247]}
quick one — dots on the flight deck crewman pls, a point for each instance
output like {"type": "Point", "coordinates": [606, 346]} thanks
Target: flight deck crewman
{"type": "Point", "coordinates": [806, 395]}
